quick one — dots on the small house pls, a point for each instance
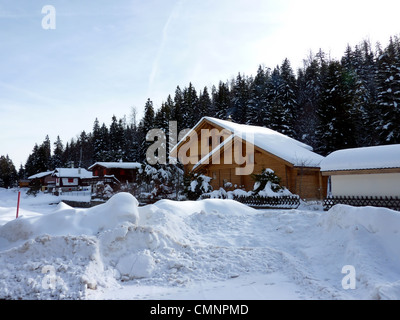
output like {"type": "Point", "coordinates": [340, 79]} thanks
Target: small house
{"type": "Point", "coordinates": [230, 153]}
{"type": "Point", "coordinates": [123, 172]}
{"type": "Point", "coordinates": [70, 179]}
{"type": "Point", "coordinates": [23, 183]}
{"type": "Point", "coordinates": [43, 179]}
{"type": "Point", "coordinates": [363, 172]}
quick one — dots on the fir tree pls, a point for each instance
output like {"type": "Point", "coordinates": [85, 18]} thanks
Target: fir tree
{"type": "Point", "coordinates": [131, 143]}
{"type": "Point", "coordinates": [117, 142]}
{"type": "Point", "coordinates": [288, 92]}
{"type": "Point", "coordinates": [102, 144]}
{"type": "Point", "coordinates": [145, 125]}
{"type": "Point", "coordinates": [335, 130]}
{"type": "Point", "coordinates": [388, 88]}
{"type": "Point", "coordinates": [84, 150]}
{"type": "Point", "coordinates": [222, 101]}
{"type": "Point", "coordinates": [309, 96]}
{"type": "Point", "coordinates": [282, 101]}
{"type": "Point", "coordinates": [8, 174]}
{"type": "Point", "coordinates": [258, 103]}
{"type": "Point", "coordinates": [240, 99]}
{"type": "Point", "coordinates": [191, 114]}
{"type": "Point", "coordinates": [57, 154]}
{"type": "Point", "coordinates": [97, 142]}
{"type": "Point", "coordinates": [205, 105]}
{"type": "Point", "coordinates": [177, 111]}
{"type": "Point", "coordinates": [21, 172]}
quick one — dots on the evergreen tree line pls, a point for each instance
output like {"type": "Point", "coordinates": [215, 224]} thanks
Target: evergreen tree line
{"type": "Point", "coordinates": [329, 104]}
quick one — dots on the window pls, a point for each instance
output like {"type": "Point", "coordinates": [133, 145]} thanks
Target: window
{"type": "Point", "coordinates": [70, 180]}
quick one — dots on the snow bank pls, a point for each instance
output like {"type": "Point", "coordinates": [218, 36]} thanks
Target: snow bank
{"type": "Point", "coordinates": [82, 253]}
{"type": "Point", "coordinates": [66, 220]}
{"type": "Point", "coordinates": [62, 246]}
{"type": "Point", "coordinates": [68, 252]}
{"type": "Point", "coordinates": [383, 223]}
{"type": "Point", "coordinates": [369, 238]}
{"type": "Point", "coordinates": [46, 267]}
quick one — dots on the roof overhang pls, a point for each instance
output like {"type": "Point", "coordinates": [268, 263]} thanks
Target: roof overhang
{"type": "Point", "coordinates": [360, 171]}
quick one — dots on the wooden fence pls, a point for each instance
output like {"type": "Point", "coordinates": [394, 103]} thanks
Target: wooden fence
{"type": "Point", "coordinates": [383, 202]}
{"type": "Point", "coordinates": [260, 202]}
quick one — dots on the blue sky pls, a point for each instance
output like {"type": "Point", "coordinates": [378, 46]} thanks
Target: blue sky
{"type": "Point", "coordinates": [106, 56]}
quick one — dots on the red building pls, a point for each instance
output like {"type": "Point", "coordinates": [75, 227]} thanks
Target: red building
{"type": "Point", "coordinates": [122, 171]}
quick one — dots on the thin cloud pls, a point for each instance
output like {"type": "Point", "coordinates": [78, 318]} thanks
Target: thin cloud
{"type": "Point", "coordinates": [173, 15]}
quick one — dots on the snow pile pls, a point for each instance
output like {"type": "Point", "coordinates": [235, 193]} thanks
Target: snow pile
{"type": "Point", "coordinates": [62, 246]}
{"type": "Point", "coordinates": [66, 220]}
{"type": "Point", "coordinates": [369, 237]}
{"type": "Point", "coordinates": [121, 250]}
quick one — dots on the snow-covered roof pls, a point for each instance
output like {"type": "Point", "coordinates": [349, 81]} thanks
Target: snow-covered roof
{"type": "Point", "coordinates": [117, 165]}
{"type": "Point", "coordinates": [378, 157]}
{"type": "Point", "coordinates": [280, 145]}
{"type": "Point", "coordinates": [72, 173]}
{"type": "Point", "coordinates": [40, 175]}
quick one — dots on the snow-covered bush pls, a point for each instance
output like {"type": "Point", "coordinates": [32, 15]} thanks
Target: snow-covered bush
{"type": "Point", "coordinates": [160, 181]}
{"type": "Point", "coordinates": [103, 191]}
{"type": "Point", "coordinates": [196, 185]}
{"type": "Point", "coordinates": [267, 184]}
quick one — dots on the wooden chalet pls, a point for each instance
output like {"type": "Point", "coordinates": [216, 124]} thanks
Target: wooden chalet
{"type": "Point", "coordinates": [71, 179]}
{"type": "Point", "coordinates": [213, 147]}
{"type": "Point", "coordinates": [62, 179]}
{"type": "Point", "coordinates": [44, 179]}
{"type": "Point", "coordinates": [123, 172]}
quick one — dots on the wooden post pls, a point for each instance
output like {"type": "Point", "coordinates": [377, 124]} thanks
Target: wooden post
{"type": "Point", "coordinates": [321, 190]}
{"type": "Point", "coordinates": [19, 198]}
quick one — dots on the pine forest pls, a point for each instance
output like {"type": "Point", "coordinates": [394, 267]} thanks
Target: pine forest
{"type": "Point", "coordinates": [329, 104]}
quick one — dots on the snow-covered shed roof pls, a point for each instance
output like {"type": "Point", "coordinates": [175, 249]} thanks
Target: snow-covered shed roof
{"type": "Point", "coordinates": [117, 165]}
{"type": "Point", "coordinates": [40, 175]}
{"type": "Point", "coordinates": [278, 144]}
{"type": "Point", "coordinates": [72, 173]}
{"type": "Point", "coordinates": [378, 157]}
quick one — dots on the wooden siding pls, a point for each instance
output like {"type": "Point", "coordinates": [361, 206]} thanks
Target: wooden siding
{"type": "Point", "coordinates": [123, 175]}
{"type": "Point", "coordinates": [307, 183]}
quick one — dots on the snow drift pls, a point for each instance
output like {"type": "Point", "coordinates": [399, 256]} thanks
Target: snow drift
{"type": "Point", "coordinates": [84, 253]}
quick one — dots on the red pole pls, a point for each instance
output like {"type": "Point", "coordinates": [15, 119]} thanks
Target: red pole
{"type": "Point", "coordinates": [19, 197]}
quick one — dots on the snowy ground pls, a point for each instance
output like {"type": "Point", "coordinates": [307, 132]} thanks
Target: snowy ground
{"type": "Point", "coordinates": [210, 249]}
